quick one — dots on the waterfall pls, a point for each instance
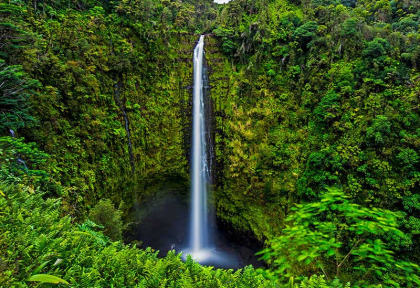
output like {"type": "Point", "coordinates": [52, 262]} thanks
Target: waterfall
{"type": "Point", "coordinates": [201, 247]}
{"type": "Point", "coordinates": [199, 160]}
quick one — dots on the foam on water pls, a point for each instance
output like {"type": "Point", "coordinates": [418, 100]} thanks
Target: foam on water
{"type": "Point", "coordinates": [212, 257]}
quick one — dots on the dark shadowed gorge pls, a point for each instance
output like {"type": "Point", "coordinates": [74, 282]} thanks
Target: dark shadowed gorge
{"type": "Point", "coordinates": [314, 125]}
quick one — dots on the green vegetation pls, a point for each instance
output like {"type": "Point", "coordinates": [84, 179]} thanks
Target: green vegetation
{"type": "Point", "coordinates": [316, 137]}
{"type": "Point", "coordinates": [38, 244]}
{"type": "Point", "coordinates": [340, 239]}
{"type": "Point", "coordinates": [14, 102]}
{"type": "Point", "coordinates": [106, 215]}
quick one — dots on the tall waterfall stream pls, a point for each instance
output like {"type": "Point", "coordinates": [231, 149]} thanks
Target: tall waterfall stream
{"type": "Point", "coordinates": [199, 160]}
{"type": "Point", "coordinates": [165, 225]}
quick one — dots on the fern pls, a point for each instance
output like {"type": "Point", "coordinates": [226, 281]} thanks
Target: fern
{"type": "Point", "coordinates": [33, 231]}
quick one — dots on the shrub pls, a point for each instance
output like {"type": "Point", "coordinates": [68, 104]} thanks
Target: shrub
{"type": "Point", "coordinates": [340, 239]}
{"type": "Point", "coordinates": [105, 214]}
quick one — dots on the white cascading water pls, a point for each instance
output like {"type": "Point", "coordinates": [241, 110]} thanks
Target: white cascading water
{"type": "Point", "coordinates": [200, 168]}
{"type": "Point", "coordinates": [200, 248]}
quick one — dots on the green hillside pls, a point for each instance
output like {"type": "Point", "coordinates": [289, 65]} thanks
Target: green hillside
{"type": "Point", "coordinates": [315, 123]}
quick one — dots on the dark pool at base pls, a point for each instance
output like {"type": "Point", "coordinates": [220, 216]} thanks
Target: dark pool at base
{"type": "Point", "coordinates": [164, 225]}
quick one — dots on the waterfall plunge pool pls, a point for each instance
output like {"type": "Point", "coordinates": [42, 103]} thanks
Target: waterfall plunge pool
{"type": "Point", "coordinates": [163, 224]}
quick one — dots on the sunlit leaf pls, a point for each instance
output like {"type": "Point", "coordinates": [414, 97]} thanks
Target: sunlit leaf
{"type": "Point", "coordinates": [45, 278]}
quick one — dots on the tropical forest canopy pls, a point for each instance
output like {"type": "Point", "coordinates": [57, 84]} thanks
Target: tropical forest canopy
{"type": "Point", "coordinates": [315, 123]}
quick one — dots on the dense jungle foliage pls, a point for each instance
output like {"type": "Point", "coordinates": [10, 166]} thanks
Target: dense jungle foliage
{"type": "Point", "coordinates": [315, 122]}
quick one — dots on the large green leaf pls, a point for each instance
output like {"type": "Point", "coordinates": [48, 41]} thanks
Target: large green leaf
{"type": "Point", "coordinates": [45, 278]}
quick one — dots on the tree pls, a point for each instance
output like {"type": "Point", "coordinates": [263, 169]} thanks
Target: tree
{"type": "Point", "coordinates": [378, 133]}
{"type": "Point", "coordinates": [227, 38]}
{"type": "Point", "coordinates": [376, 48]}
{"type": "Point", "coordinates": [306, 32]}
{"type": "Point", "coordinates": [328, 110]}
{"type": "Point", "coordinates": [322, 170]}
{"type": "Point", "coordinates": [408, 158]}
